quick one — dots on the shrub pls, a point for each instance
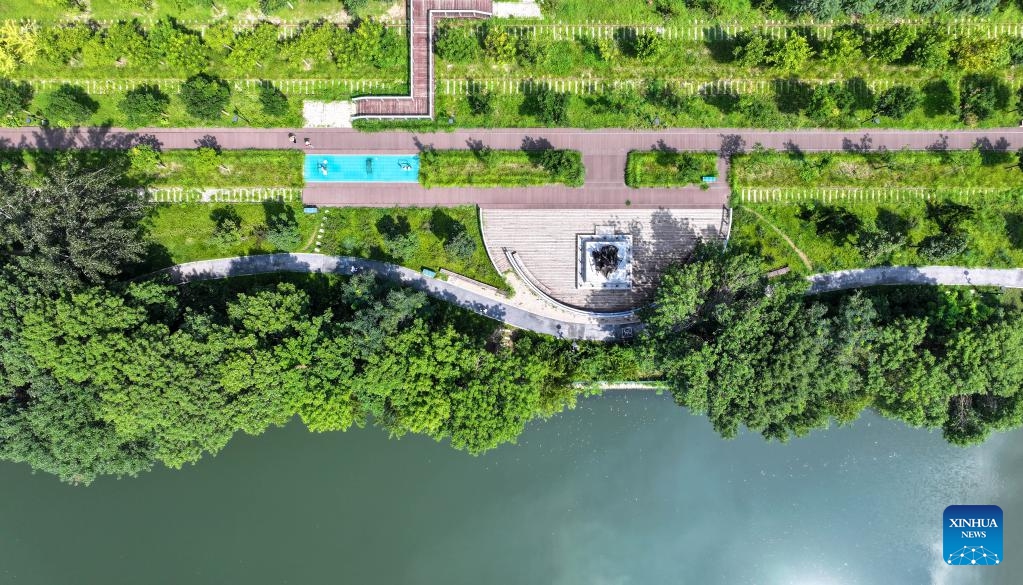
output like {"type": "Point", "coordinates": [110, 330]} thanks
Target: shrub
{"type": "Point", "coordinates": [897, 101]}
{"type": "Point", "coordinates": [457, 44]}
{"type": "Point", "coordinates": [791, 55]}
{"type": "Point", "coordinates": [890, 45]}
{"type": "Point", "coordinates": [980, 97]}
{"type": "Point", "coordinates": [143, 105]}
{"type": "Point", "coordinates": [68, 105]}
{"type": "Point", "coordinates": [480, 99]}
{"type": "Point", "coordinates": [14, 96]}
{"type": "Point", "coordinates": [941, 247]}
{"type": "Point", "coordinates": [205, 96]}
{"type": "Point", "coordinates": [565, 165]}
{"type": "Point", "coordinates": [550, 107]}
{"type": "Point", "coordinates": [461, 246]}
{"type": "Point", "coordinates": [272, 100]}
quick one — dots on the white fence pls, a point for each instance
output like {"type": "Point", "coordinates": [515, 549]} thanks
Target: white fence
{"type": "Point", "coordinates": [703, 31]}
{"type": "Point", "coordinates": [860, 194]}
{"type": "Point", "coordinates": [224, 195]}
{"type": "Point", "coordinates": [586, 86]}
{"type": "Point", "coordinates": [288, 86]}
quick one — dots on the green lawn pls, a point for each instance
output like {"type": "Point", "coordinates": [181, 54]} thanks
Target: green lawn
{"type": "Point", "coordinates": [994, 234]}
{"type": "Point", "coordinates": [495, 168]}
{"type": "Point", "coordinates": [189, 231]}
{"type": "Point", "coordinates": [961, 207]}
{"type": "Point", "coordinates": [187, 168]}
{"type": "Point", "coordinates": [413, 237]}
{"type": "Point", "coordinates": [293, 10]}
{"type": "Point", "coordinates": [232, 168]}
{"type": "Point", "coordinates": [669, 168]}
{"type": "Point", "coordinates": [951, 170]}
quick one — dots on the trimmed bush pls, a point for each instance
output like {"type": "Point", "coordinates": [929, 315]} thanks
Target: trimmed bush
{"type": "Point", "coordinates": [205, 97]}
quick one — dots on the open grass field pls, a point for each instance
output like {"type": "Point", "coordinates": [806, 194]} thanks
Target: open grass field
{"type": "Point", "coordinates": [669, 168]}
{"type": "Point", "coordinates": [993, 167]}
{"type": "Point", "coordinates": [414, 237]}
{"type": "Point", "coordinates": [993, 233]}
{"type": "Point", "coordinates": [914, 208]}
{"type": "Point", "coordinates": [492, 168]}
{"type": "Point", "coordinates": [199, 231]}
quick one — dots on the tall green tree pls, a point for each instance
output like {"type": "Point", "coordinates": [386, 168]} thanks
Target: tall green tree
{"type": "Point", "coordinates": [74, 226]}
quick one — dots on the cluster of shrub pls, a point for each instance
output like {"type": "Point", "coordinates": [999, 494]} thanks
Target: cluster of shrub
{"type": "Point", "coordinates": [933, 47]}
{"type": "Point", "coordinates": [170, 48]}
{"type": "Point", "coordinates": [204, 97]}
{"type": "Point", "coordinates": [930, 47]}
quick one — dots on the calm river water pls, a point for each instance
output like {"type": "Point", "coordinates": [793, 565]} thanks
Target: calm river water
{"type": "Point", "coordinates": [625, 489]}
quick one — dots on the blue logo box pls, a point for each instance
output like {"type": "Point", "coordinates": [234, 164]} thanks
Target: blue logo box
{"type": "Point", "coordinates": [972, 535]}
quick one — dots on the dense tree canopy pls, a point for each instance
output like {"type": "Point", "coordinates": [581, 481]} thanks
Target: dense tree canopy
{"type": "Point", "coordinates": [762, 355]}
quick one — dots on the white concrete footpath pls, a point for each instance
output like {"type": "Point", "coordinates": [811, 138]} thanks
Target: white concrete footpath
{"type": "Point", "coordinates": [902, 275]}
{"type": "Point", "coordinates": [519, 311]}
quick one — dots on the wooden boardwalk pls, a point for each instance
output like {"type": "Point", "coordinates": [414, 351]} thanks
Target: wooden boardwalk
{"type": "Point", "coordinates": [422, 17]}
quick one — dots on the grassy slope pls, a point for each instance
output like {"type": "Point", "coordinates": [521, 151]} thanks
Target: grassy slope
{"type": "Point", "coordinates": [185, 231]}
{"type": "Point", "coordinates": [661, 168]}
{"type": "Point", "coordinates": [356, 231]}
{"type": "Point", "coordinates": [503, 168]}
{"type": "Point", "coordinates": [995, 232]}
{"type": "Point", "coordinates": [995, 236]}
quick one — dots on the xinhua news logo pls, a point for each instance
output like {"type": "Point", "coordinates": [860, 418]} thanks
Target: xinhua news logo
{"type": "Point", "coordinates": [973, 535]}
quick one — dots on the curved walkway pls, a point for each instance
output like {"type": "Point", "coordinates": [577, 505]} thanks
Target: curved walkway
{"type": "Point", "coordinates": [901, 275]}
{"type": "Point", "coordinates": [594, 327]}
{"type": "Point", "coordinates": [591, 327]}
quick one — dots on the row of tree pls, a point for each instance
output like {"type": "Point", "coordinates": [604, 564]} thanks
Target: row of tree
{"type": "Point", "coordinates": [934, 47]}
{"type": "Point", "coordinates": [750, 353]}
{"type": "Point", "coordinates": [931, 47]}
{"type": "Point", "coordinates": [204, 97]}
{"type": "Point", "coordinates": [169, 48]}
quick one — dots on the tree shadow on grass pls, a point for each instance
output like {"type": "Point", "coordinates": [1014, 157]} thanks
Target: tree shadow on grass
{"type": "Point", "coordinates": [893, 223]}
{"type": "Point", "coordinates": [838, 224]}
{"type": "Point", "coordinates": [1014, 229]}
{"type": "Point", "coordinates": [939, 98]}
{"type": "Point", "coordinates": [391, 227]}
{"type": "Point", "coordinates": [444, 226]}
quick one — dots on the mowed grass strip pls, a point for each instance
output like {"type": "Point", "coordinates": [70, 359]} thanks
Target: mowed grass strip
{"type": "Point", "coordinates": [230, 168]}
{"type": "Point", "coordinates": [496, 168]}
{"type": "Point", "coordinates": [992, 167]}
{"type": "Point", "coordinates": [666, 168]}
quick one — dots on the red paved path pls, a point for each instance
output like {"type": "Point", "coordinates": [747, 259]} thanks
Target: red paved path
{"type": "Point", "coordinates": [604, 153]}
